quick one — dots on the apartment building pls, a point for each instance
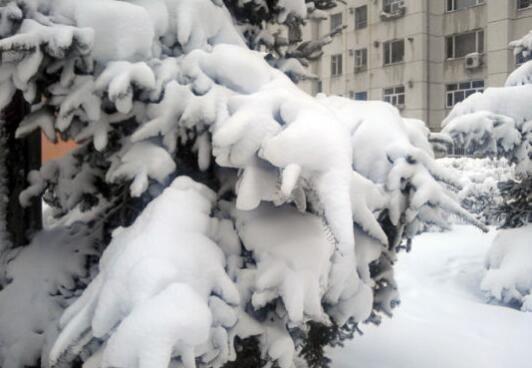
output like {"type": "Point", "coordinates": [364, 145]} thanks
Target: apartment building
{"type": "Point", "coordinates": [423, 56]}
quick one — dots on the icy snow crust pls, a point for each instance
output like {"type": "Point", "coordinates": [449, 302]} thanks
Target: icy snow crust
{"type": "Point", "coordinates": [324, 187]}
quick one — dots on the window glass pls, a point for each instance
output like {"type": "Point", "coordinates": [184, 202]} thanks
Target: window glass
{"type": "Point", "coordinates": [361, 17]}
{"type": "Point", "coordinates": [523, 4]}
{"type": "Point", "coordinates": [457, 92]}
{"type": "Point", "coordinates": [361, 59]}
{"type": "Point", "coordinates": [522, 58]}
{"type": "Point", "coordinates": [453, 5]}
{"type": "Point", "coordinates": [394, 51]}
{"type": "Point", "coordinates": [361, 96]}
{"type": "Point", "coordinates": [336, 21]}
{"type": "Point", "coordinates": [395, 96]}
{"type": "Point", "coordinates": [465, 44]}
{"type": "Point", "coordinates": [391, 6]}
{"type": "Point", "coordinates": [336, 65]}
{"type": "Point", "coordinates": [459, 45]}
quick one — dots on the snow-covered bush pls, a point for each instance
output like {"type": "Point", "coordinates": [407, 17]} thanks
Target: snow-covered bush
{"type": "Point", "coordinates": [509, 270]}
{"type": "Point", "coordinates": [238, 212]}
{"type": "Point", "coordinates": [480, 192]}
{"type": "Point", "coordinates": [498, 122]}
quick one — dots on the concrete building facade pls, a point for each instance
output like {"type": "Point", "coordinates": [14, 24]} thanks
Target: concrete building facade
{"type": "Point", "coordinates": [421, 55]}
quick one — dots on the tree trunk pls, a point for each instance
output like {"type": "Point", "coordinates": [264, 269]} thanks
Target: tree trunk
{"type": "Point", "coordinates": [21, 156]}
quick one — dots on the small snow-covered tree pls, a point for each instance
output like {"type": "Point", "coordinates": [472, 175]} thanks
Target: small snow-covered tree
{"type": "Point", "coordinates": [213, 213]}
{"type": "Point", "coordinates": [498, 122]}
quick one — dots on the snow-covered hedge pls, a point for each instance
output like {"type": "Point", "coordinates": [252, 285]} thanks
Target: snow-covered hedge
{"type": "Point", "coordinates": [270, 211]}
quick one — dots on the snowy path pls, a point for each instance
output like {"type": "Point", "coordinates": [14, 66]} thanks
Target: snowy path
{"type": "Point", "coordinates": [443, 321]}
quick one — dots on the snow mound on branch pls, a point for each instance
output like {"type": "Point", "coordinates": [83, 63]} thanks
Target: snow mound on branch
{"type": "Point", "coordinates": [293, 252]}
{"type": "Point", "coordinates": [122, 31]}
{"type": "Point", "coordinates": [520, 76]}
{"type": "Point", "coordinates": [152, 282]}
{"type": "Point", "coordinates": [510, 102]}
{"type": "Point", "coordinates": [509, 267]}
{"type": "Point", "coordinates": [43, 283]}
{"type": "Point", "coordinates": [484, 132]}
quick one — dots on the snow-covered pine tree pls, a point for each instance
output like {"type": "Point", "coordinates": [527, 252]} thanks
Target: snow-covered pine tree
{"type": "Point", "coordinates": [213, 212]}
{"type": "Point", "coordinates": [498, 122]}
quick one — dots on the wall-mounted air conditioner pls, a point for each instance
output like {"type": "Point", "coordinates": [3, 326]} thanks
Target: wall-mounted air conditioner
{"type": "Point", "coordinates": [473, 61]}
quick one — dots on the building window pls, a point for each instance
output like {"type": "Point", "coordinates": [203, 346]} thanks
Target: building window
{"type": "Point", "coordinates": [394, 51]}
{"type": "Point", "coordinates": [457, 92]}
{"type": "Point", "coordinates": [523, 57]}
{"type": "Point", "coordinates": [454, 5]}
{"type": "Point", "coordinates": [524, 4]}
{"type": "Point", "coordinates": [361, 17]}
{"type": "Point", "coordinates": [336, 21]}
{"type": "Point", "coordinates": [360, 96]}
{"type": "Point", "coordinates": [317, 87]}
{"type": "Point", "coordinates": [361, 60]}
{"type": "Point", "coordinates": [336, 65]}
{"type": "Point", "coordinates": [459, 45]}
{"type": "Point", "coordinates": [392, 6]}
{"type": "Point", "coordinates": [395, 96]}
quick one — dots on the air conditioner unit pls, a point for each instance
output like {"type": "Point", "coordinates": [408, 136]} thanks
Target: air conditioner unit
{"type": "Point", "coordinates": [351, 52]}
{"type": "Point", "coordinates": [473, 61]}
{"type": "Point", "coordinates": [360, 68]}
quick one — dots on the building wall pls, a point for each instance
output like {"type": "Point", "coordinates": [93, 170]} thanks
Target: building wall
{"type": "Point", "coordinates": [52, 151]}
{"type": "Point", "coordinates": [425, 71]}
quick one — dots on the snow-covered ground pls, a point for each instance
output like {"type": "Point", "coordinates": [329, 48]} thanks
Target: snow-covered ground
{"type": "Point", "coordinates": [443, 320]}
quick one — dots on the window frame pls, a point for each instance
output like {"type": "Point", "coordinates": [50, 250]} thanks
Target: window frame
{"type": "Point", "coordinates": [364, 93]}
{"type": "Point", "coordinates": [385, 51]}
{"type": "Point", "coordinates": [336, 16]}
{"type": "Point", "coordinates": [457, 88]}
{"type": "Point", "coordinates": [358, 23]}
{"type": "Point", "coordinates": [519, 8]}
{"type": "Point", "coordinates": [390, 4]}
{"type": "Point", "coordinates": [394, 95]}
{"type": "Point", "coordinates": [479, 46]}
{"type": "Point", "coordinates": [360, 59]}
{"type": "Point", "coordinates": [454, 5]}
{"type": "Point", "coordinates": [336, 65]}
